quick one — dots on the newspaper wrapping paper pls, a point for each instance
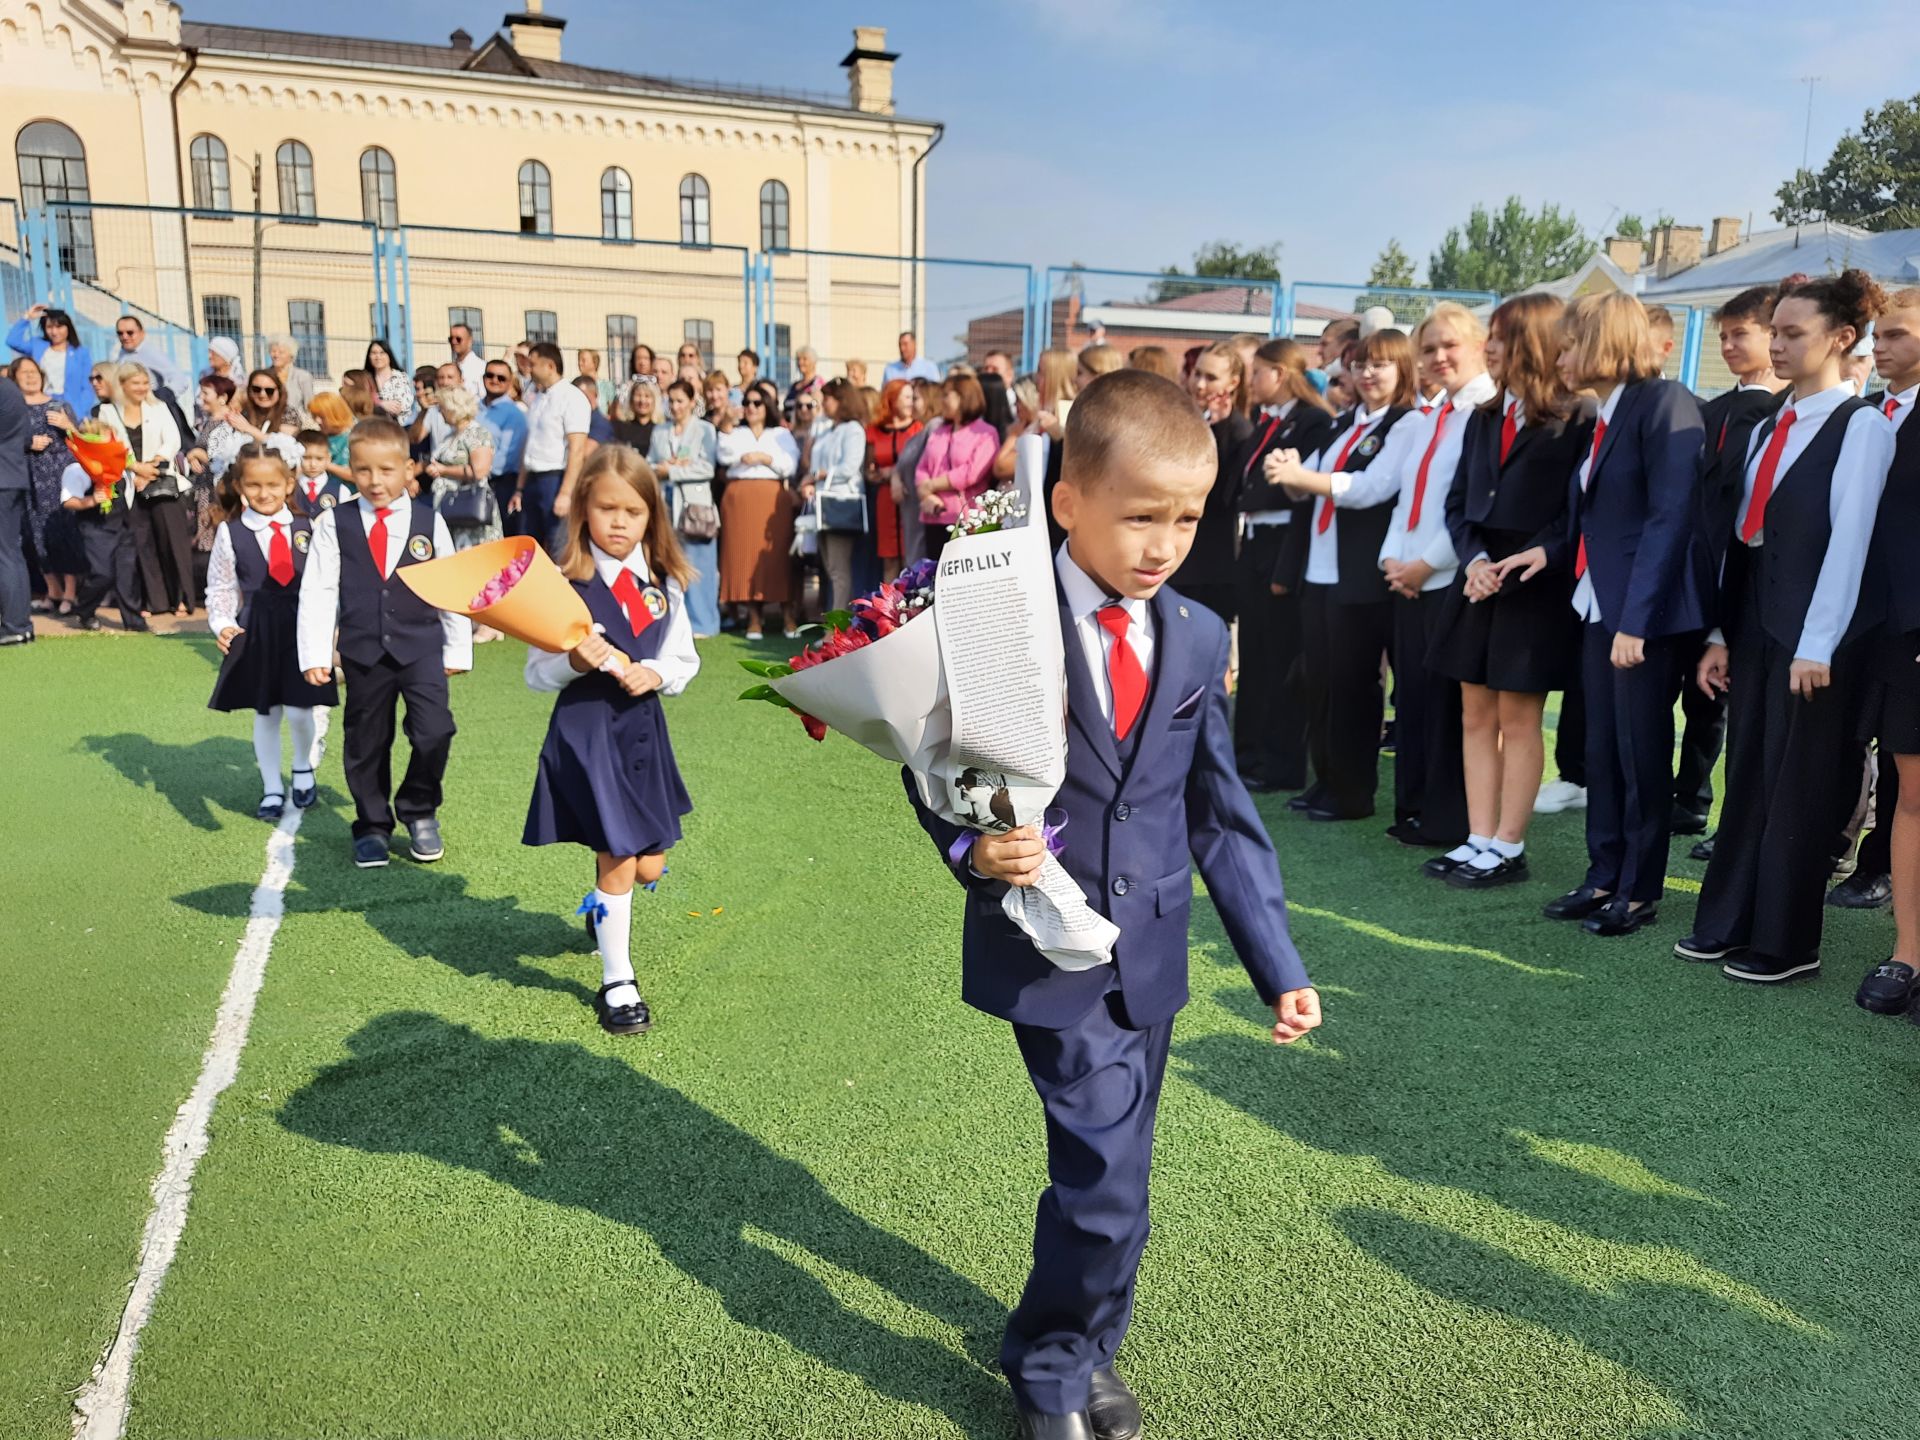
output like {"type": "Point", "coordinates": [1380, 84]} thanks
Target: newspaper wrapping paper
{"type": "Point", "coordinates": [973, 704]}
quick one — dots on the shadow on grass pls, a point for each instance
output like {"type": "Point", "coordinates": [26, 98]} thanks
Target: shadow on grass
{"type": "Point", "coordinates": [194, 778]}
{"type": "Point", "coordinates": [565, 1126]}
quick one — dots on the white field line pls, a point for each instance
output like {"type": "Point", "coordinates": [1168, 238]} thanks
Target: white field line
{"type": "Point", "coordinates": [100, 1409]}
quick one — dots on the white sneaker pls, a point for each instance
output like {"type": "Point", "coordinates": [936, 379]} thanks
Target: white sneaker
{"type": "Point", "coordinates": [1559, 795]}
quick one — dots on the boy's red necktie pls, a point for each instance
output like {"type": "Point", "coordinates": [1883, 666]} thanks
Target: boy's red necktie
{"type": "Point", "coordinates": [1426, 460]}
{"type": "Point", "coordinates": [1326, 505]}
{"type": "Point", "coordinates": [1593, 463]}
{"type": "Point", "coordinates": [313, 494]}
{"type": "Point", "coordinates": [627, 591]}
{"type": "Point", "coordinates": [377, 538]}
{"type": "Point", "coordinates": [1893, 404]}
{"type": "Point", "coordinates": [1509, 427]}
{"type": "Point", "coordinates": [1124, 673]}
{"type": "Point", "coordinates": [1763, 479]}
{"type": "Point", "coordinates": [280, 555]}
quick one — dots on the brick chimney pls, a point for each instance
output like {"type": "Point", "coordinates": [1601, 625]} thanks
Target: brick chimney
{"type": "Point", "coordinates": [1627, 251]}
{"type": "Point", "coordinates": [1724, 235]}
{"type": "Point", "coordinates": [535, 34]}
{"type": "Point", "coordinates": [869, 67]}
{"type": "Point", "coordinates": [1677, 248]}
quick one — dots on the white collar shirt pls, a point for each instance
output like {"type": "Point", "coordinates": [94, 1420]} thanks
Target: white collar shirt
{"type": "Point", "coordinates": [1429, 540]}
{"type": "Point", "coordinates": [676, 662]}
{"type": "Point", "coordinates": [1274, 415]}
{"type": "Point", "coordinates": [320, 586]}
{"type": "Point", "coordinates": [1086, 598]}
{"type": "Point", "coordinates": [1586, 603]}
{"type": "Point", "coordinates": [553, 414]}
{"type": "Point", "coordinates": [1903, 403]}
{"type": "Point", "coordinates": [1323, 542]}
{"type": "Point", "coordinates": [223, 580]}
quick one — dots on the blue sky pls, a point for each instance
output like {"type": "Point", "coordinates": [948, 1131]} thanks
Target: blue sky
{"type": "Point", "coordinates": [1124, 133]}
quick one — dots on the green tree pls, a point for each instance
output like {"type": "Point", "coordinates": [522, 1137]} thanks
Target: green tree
{"type": "Point", "coordinates": [1508, 249]}
{"type": "Point", "coordinates": [1872, 179]}
{"type": "Point", "coordinates": [1632, 227]}
{"type": "Point", "coordinates": [1392, 266]}
{"type": "Point", "coordinates": [1226, 260]}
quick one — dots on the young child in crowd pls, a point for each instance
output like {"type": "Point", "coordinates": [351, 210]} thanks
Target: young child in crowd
{"type": "Point", "coordinates": [607, 776]}
{"type": "Point", "coordinates": [1150, 781]}
{"type": "Point", "coordinates": [393, 645]}
{"type": "Point", "coordinates": [318, 488]}
{"type": "Point", "coordinates": [253, 607]}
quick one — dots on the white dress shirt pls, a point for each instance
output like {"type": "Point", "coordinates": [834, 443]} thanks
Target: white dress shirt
{"type": "Point", "coordinates": [1586, 604]}
{"type": "Point", "coordinates": [223, 579]}
{"type": "Point", "coordinates": [1323, 547]}
{"type": "Point", "coordinates": [1270, 414]}
{"type": "Point", "coordinates": [773, 440]}
{"type": "Point", "coordinates": [554, 413]}
{"type": "Point", "coordinates": [677, 662]}
{"type": "Point", "coordinates": [320, 586]}
{"type": "Point", "coordinates": [1904, 401]}
{"type": "Point", "coordinates": [1086, 598]}
{"type": "Point", "coordinates": [472, 374]}
{"type": "Point", "coordinates": [1859, 475]}
{"type": "Point", "coordinates": [1396, 470]}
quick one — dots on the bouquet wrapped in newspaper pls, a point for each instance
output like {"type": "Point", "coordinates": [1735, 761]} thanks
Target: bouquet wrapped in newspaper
{"type": "Point", "coordinates": [972, 701]}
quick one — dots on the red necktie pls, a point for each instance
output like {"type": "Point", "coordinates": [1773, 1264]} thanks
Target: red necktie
{"type": "Point", "coordinates": [1763, 480]}
{"type": "Point", "coordinates": [1593, 463]}
{"type": "Point", "coordinates": [627, 591]}
{"type": "Point", "coordinates": [313, 494]}
{"type": "Point", "coordinates": [1128, 680]}
{"type": "Point", "coordinates": [1326, 505]}
{"type": "Point", "coordinates": [1721, 443]}
{"type": "Point", "coordinates": [1273, 424]}
{"type": "Point", "coordinates": [279, 555]}
{"type": "Point", "coordinates": [1420, 480]}
{"type": "Point", "coordinates": [377, 538]}
{"type": "Point", "coordinates": [1509, 427]}
{"type": "Point", "coordinates": [1893, 404]}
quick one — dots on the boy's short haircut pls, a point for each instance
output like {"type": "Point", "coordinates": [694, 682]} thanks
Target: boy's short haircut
{"type": "Point", "coordinates": [1907, 299]}
{"type": "Point", "coordinates": [1754, 303]}
{"type": "Point", "coordinates": [312, 437]}
{"type": "Point", "coordinates": [1137, 414]}
{"type": "Point", "coordinates": [376, 430]}
{"type": "Point", "coordinates": [427, 375]}
{"type": "Point", "coordinates": [1659, 320]}
{"type": "Point", "coordinates": [547, 350]}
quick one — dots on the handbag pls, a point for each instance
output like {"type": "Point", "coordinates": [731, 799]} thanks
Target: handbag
{"type": "Point", "coordinates": [806, 534]}
{"type": "Point", "coordinates": [698, 518]}
{"type": "Point", "coordinates": [844, 512]}
{"type": "Point", "coordinates": [470, 505]}
{"type": "Point", "coordinates": [164, 486]}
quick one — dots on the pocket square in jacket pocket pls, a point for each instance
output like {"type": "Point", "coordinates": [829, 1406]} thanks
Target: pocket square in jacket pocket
{"type": "Point", "coordinates": [1190, 706]}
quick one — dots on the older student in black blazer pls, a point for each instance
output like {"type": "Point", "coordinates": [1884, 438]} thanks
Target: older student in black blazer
{"type": "Point", "coordinates": [1789, 615]}
{"type": "Point", "coordinates": [1346, 610]}
{"type": "Point", "coordinates": [1219, 387]}
{"type": "Point", "coordinates": [1636, 545]}
{"type": "Point", "coordinates": [1507, 635]}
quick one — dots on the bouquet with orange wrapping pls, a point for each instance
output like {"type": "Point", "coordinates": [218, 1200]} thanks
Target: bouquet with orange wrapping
{"type": "Point", "coordinates": [103, 455]}
{"type": "Point", "coordinates": [511, 585]}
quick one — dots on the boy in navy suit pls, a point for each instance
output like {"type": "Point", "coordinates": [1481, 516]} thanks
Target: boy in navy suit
{"type": "Point", "coordinates": [1150, 779]}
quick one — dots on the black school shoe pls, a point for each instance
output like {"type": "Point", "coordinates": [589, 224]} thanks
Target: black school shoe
{"type": "Point", "coordinates": [1766, 970]}
{"type": "Point", "coordinates": [1310, 798]}
{"type": "Point", "coordinates": [1619, 917]}
{"type": "Point", "coordinates": [304, 795]}
{"type": "Point", "coordinates": [1508, 871]}
{"type": "Point", "coordinates": [1706, 948]}
{"type": "Point", "coordinates": [423, 840]}
{"type": "Point", "coordinates": [1888, 988]}
{"type": "Point", "coordinates": [1441, 866]}
{"type": "Point", "coordinates": [370, 852]}
{"type": "Point", "coordinates": [1409, 832]}
{"type": "Point", "coordinates": [634, 1019]}
{"type": "Point", "coordinates": [271, 807]}
{"type": "Point", "coordinates": [1861, 891]}
{"type": "Point", "coordinates": [1576, 904]}
{"type": "Point", "coordinates": [1703, 851]}
{"type": "Point", "coordinates": [1112, 1406]}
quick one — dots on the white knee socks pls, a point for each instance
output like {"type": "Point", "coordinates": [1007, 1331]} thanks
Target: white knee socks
{"type": "Point", "coordinates": [266, 751]}
{"type": "Point", "coordinates": [300, 729]}
{"type": "Point", "coordinates": [613, 931]}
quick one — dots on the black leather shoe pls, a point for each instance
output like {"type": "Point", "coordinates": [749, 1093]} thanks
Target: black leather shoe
{"type": "Point", "coordinates": [1441, 866]}
{"type": "Point", "coordinates": [1037, 1426]}
{"type": "Point", "coordinates": [1706, 948]}
{"type": "Point", "coordinates": [1112, 1407]}
{"type": "Point", "coordinates": [1703, 851]}
{"type": "Point", "coordinates": [1767, 970]}
{"type": "Point", "coordinates": [1323, 813]}
{"type": "Point", "coordinates": [1307, 799]}
{"type": "Point", "coordinates": [271, 807]}
{"type": "Point", "coordinates": [1511, 870]}
{"type": "Point", "coordinates": [423, 838]}
{"type": "Point", "coordinates": [135, 625]}
{"type": "Point", "coordinates": [370, 852]}
{"type": "Point", "coordinates": [1408, 832]}
{"type": "Point", "coordinates": [1687, 822]}
{"type": "Point", "coordinates": [304, 795]}
{"type": "Point", "coordinates": [1619, 917]}
{"type": "Point", "coordinates": [1575, 904]}
{"type": "Point", "coordinates": [1861, 891]}
{"type": "Point", "coordinates": [634, 1019]}
{"type": "Point", "coordinates": [1888, 989]}
{"type": "Point", "coordinates": [1258, 785]}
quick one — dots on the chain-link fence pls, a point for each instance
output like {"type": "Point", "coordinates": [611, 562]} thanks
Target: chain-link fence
{"type": "Point", "coordinates": [1129, 309]}
{"type": "Point", "coordinates": [1312, 304]}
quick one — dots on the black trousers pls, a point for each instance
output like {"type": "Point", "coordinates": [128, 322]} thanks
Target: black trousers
{"type": "Point", "coordinates": [1766, 884]}
{"type": "Point", "coordinates": [1570, 732]}
{"type": "Point", "coordinates": [1700, 744]}
{"type": "Point", "coordinates": [369, 714]}
{"type": "Point", "coordinates": [1630, 761]}
{"type": "Point", "coordinates": [1429, 782]}
{"type": "Point", "coordinates": [1341, 646]}
{"type": "Point", "coordinates": [163, 541]}
{"type": "Point", "coordinates": [1269, 708]}
{"type": "Point", "coordinates": [111, 566]}
{"type": "Point", "coordinates": [16, 597]}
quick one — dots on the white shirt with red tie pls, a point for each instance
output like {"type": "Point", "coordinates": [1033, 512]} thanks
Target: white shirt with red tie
{"type": "Point", "coordinates": [320, 586]}
{"type": "Point", "coordinates": [1323, 536]}
{"type": "Point", "coordinates": [1086, 598]}
{"type": "Point", "coordinates": [223, 580]}
{"type": "Point", "coordinates": [676, 662]}
{"type": "Point", "coordinates": [1902, 402]}
{"type": "Point", "coordinates": [1586, 604]}
{"type": "Point", "coordinates": [309, 488]}
{"type": "Point", "coordinates": [1274, 415]}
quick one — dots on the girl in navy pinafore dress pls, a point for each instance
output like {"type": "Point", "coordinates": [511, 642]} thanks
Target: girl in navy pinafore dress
{"type": "Point", "coordinates": [607, 777]}
{"type": "Point", "coordinates": [253, 604]}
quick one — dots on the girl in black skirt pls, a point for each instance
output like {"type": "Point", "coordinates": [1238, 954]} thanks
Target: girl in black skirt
{"type": "Point", "coordinates": [607, 777]}
{"type": "Point", "coordinates": [1509, 641]}
{"type": "Point", "coordinates": [253, 606]}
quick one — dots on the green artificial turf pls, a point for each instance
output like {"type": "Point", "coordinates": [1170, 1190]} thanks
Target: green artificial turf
{"type": "Point", "coordinates": [1522, 1184]}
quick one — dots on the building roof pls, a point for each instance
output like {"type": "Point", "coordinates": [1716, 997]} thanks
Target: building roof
{"type": "Point", "coordinates": [496, 56]}
{"type": "Point", "coordinates": [1819, 248]}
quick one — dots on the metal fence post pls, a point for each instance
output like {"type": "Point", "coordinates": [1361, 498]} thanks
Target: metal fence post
{"type": "Point", "coordinates": [1690, 350]}
{"type": "Point", "coordinates": [398, 240]}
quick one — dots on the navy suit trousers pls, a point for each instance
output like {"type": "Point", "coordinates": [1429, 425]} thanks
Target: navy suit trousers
{"type": "Point", "coordinates": [15, 598]}
{"type": "Point", "coordinates": [1099, 1084]}
{"type": "Point", "coordinates": [1630, 761]}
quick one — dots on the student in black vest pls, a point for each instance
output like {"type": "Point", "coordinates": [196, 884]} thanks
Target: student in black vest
{"type": "Point", "coordinates": [393, 645]}
{"type": "Point", "coordinates": [1788, 594]}
{"type": "Point", "coordinates": [1635, 544]}
{"type": "Point", "coordinates": [1346, 610]}
{"type": "Point", "coordinates": [1269, 708]}
{"type": "Point", "coordinates": [315, 487]}
{"type": "Point", "coordinates": [1219, 387]}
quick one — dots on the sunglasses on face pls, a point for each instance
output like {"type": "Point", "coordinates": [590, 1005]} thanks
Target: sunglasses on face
{"type": "Point", "coordinates": [266, 390]}
{"type": "Point", "coordinates": [754, 403]}
{"type": "Point", "coordinates": [496, 377]}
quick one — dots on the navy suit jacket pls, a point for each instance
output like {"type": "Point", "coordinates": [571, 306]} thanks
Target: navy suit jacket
{"type": "Point", "coordinates": [1131, 827]}
{"type": "Point", "coordinates": [1643, 515]}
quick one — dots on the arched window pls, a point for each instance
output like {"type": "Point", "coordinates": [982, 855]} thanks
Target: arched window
{"type": "Point", "coordinates": [207, 158]}
{"type": "Point", "coordinates": [53, 171]}
{"type": "Point", "coordinates": [616, 205]}
{"type": "Point", "coordinates": [295, 164]}
{"type": "Point", "coordinates": [536, 199]}
{"type": "Point", "coordinates": [379, 192]}
{"type": "Point", "coordinates": [775, 233]}
{"type": "Point", "coordinates": [696, 220]}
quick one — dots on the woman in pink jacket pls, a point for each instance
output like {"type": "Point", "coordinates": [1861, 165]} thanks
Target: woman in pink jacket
{"type": "Point", "coordinates": [956, 467]}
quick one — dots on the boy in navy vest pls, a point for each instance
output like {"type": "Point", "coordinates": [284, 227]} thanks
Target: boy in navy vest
{"type": "Point", "coordinates": [393, 645]}
{"type": "Point", "coordinates": [1150, 780]}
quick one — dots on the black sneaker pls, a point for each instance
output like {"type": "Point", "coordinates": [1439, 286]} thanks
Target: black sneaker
{"type": "Point", "coordinates": [424, 840]}
{"type": "Point", "coordinates": [1705, 948]}
{"type": "Point", "coordinates": [1766, 970]}
{"type": "Point", "coordinates": [1861, 891]}
{"type": "Point", "coordinates": [370, 852]}
{"type": "Point", "coordinates": [1888, 989]}
{"type": "Point", "coordinates": [1508, 870]}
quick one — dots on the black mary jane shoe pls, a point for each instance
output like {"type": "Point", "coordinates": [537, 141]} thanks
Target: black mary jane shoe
{"type": "Point", "coordinates": [634, 1019]}
{"type": "Point", "coordinates": [271, 807]}
{"type": "Point", "coordinates": [1510, 870]}
{"type": "Point", "coordinates": [1576, 904]}
{"type": "Point", "coordinates": [1703, 850]}
{"type": "Point", "coordinates": [1112, 1406]}
{"type": "Point", "coordinates": [1620, 917]}
{"type": "Point", "coordinates": [1441, 866]}
{"type": "Point", "coordinates": [1888, 988]}
{"type": "Point", "coordinates": [304, 795]}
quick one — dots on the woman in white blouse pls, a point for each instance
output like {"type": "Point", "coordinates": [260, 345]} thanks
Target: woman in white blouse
{"type": "Point", "coordinates": [756, 513]}
{"type": "Point", "coordinates": [684, 453]}
{"type": "Point", "coordinates": [839, 480]}
{"type": "Point", "coordinates": [163, 522]}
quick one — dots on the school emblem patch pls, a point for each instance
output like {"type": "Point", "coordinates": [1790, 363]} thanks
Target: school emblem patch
{"type": "Point", "coordinates": [301, 539]}
{"type": "Point", "coordinates": [1367, 446]}
{"type": "Point", "coordinates": [655, 599]}
{"type": "Point", "coordinates": [327, 502]}
{"type": "Point", "coordinates": [420, 548]}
